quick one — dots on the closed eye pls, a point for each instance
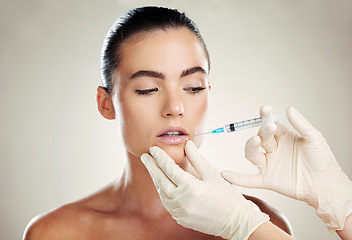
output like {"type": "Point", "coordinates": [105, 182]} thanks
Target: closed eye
{"type": "Point", "coordinates": [194, 89]}
{"type": "Point", "coordinates": [147, 91]}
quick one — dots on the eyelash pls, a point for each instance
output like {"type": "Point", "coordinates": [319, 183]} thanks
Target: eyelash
{"type": "Point", "coordinates": [146, 91]}
{"type": "Point", "coordinates": [193, 90]}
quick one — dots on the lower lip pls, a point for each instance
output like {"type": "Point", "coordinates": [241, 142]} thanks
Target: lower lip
{"type": "Point", "coordinates": [173, 139]}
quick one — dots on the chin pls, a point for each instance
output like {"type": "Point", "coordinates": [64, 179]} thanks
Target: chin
{"type": "Point", "coordinates": [177, 153]}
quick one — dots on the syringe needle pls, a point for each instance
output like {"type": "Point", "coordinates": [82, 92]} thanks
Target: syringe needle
{"type": "Point", "coordinates": [218, 130]}
{"type": "Point", "coordinates": [201, 134]}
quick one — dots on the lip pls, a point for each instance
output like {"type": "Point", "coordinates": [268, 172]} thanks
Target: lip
{"type": "Point", "coordinates": [173, 139]}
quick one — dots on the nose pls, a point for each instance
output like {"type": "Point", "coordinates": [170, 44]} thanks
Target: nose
{"type": "Point", "coordinates": [173, 105]}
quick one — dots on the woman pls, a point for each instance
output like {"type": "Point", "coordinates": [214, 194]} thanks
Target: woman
{"type": "Point", "coordinates": [155, 68]}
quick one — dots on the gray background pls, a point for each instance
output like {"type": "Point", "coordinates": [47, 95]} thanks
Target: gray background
{"type": "Point", "coordinates": [56, 148]}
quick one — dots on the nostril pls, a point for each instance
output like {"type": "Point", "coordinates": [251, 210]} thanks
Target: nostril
{"type": "Point", "coordinates": [170, 114]}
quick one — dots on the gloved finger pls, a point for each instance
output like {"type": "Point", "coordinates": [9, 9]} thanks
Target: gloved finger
{"type": "Point", "coordinates": [243, 180]}
{"type": "Point", "coordinates": [169, 167]}
{"type": "Point", "coordinates": [252, 152]}
{"type": "Point", "coordinates": [178, 212]}
{"type": "Point", "coordinates": [169, 203]}
{"type": "Point", "coordinates": [198, 162]}
{"type": "Point", "coordinates": [268, 141]}
{"type": "Point", "coordinates": [161, 181]}
{"type": "Point", "coordinates": [182, 202]}
{"type": "Point", "coordinates": [303, 127]}
{"type": "Point", "coordinates": [266, 112]}
{"type": "Point", "coordinates": [281, 130]}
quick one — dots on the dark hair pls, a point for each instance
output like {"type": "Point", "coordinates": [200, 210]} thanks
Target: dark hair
{"type": "Point", "coordinates": [134, 22]}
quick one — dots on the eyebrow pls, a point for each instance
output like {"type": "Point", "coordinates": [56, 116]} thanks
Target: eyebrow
{"type": "Point", "coordinates": [193, 70]}
{"type": "Point", "coordinates": [154, 74]}
{"type": "Point", "coordinates": [147, 73]}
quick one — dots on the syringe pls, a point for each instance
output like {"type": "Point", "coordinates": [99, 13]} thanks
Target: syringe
{"type": "Point", "coordinates": [254, 122]}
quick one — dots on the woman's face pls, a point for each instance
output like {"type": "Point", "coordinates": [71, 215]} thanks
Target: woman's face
{"type": "Point", "coordinates": [161, 91]}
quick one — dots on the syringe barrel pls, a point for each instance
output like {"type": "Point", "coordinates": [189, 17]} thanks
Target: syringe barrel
{"type": "Point", "coordinates": [243, 124]}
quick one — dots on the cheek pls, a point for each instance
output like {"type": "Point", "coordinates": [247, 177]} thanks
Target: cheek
{"type": "Point", "coordinates": [136, 125]}
{"type": "Point", "coordinates": [198, 113]}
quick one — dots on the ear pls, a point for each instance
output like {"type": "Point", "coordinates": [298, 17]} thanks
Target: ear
{"type": "Point", "coordinates": [209, 85]}
{"type": "Point", "coordinates": [104, 103]}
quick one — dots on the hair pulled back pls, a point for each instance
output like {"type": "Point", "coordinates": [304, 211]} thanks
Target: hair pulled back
{"type": "Point", "coordinates": [136, 21]}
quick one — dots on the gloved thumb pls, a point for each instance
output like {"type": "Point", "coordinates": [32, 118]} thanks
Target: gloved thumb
{"type": "Point", "coordinates": [244, 180]}
{"type": "Point", "coordinates": [303, 127]}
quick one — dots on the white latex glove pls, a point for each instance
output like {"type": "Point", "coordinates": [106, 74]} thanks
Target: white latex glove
{"type": "Point", "coordinates": [211, 205]}
{"type": "Point", "coordinates": [300, 167]}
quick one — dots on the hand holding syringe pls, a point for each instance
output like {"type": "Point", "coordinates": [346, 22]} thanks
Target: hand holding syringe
{"type": "Point", "coordinates": [254, 122]}
{"type": "Point", "coordinates": [287, 167]}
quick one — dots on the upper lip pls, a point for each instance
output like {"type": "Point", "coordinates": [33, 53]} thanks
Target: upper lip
{"type": "Point", "coordinates": [171, 129]}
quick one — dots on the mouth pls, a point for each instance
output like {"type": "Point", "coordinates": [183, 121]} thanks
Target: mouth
{"type": "Point", "coordinates": [173, 135]}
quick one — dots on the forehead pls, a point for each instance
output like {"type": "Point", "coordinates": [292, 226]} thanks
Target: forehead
{"type": "Point", "coordinates": [167, 51]}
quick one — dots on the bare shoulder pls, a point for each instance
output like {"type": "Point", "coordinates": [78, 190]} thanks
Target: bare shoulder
{"type": "Point", "coordinates": [276, 217]}
{"type": "Point", "coordinates": [70, 221]}
{"type": "Point", "coordinates": [57, 224]}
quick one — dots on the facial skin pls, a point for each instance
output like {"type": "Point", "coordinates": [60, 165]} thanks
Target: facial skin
{"type": "Point", "coordinates": [161, 83]}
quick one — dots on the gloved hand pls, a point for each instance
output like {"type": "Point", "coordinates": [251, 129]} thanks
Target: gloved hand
{"type": "Point", "coordinates": [300, 167]}
{"type": "Point", "coordinates": [210, 205]}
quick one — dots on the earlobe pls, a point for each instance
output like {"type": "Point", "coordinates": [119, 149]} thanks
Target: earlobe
{"type": "Point", "coordinates": [104, 103]}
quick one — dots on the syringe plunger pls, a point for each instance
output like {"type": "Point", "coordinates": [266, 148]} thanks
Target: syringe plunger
{"type": "Point", "coordinates": [254, 122]}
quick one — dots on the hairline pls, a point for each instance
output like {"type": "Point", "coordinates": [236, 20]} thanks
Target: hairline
{"type": "Point", "coordinates": [140, 36]}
